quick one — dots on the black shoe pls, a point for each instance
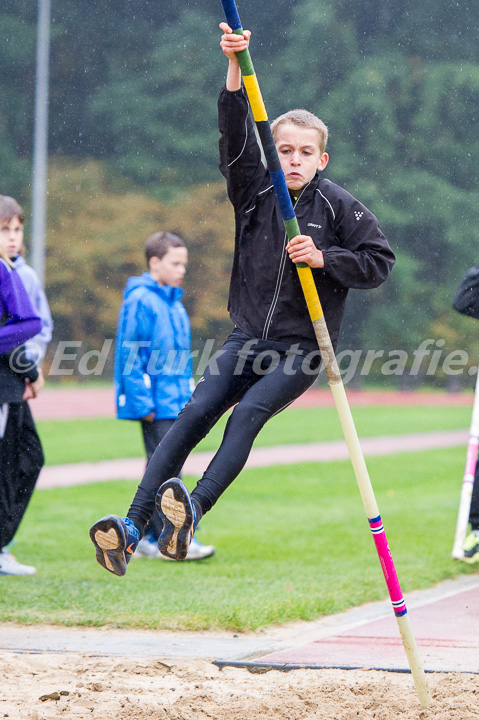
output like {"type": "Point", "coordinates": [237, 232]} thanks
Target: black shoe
{"type": "Point", "coordinates": [176, 509]}
{"type": "Point", "coordinates": [115, 540]}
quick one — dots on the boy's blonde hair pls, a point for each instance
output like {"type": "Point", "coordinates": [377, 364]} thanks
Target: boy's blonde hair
{"type": "Point", "coordinates": [302, 118]}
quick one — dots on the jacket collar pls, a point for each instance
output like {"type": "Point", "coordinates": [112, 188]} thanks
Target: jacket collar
{"type": "Point", "coordinates": [307, 191]}
{"type": "Point", "coordinates": [168, 293]}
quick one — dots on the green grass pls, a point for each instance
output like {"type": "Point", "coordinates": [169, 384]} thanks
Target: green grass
{"type": "Point", "coordinates": [108, 439]}
{"type": "Point", "coordinates": [292, 543]}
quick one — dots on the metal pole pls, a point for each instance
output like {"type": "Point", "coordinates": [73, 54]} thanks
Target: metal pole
{"type": "Point", "coordinates": [40, 141]}
{"type": "Point", "coordinates": [329, 359]}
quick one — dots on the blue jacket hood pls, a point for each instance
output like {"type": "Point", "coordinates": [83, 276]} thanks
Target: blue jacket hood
{"type": "Point", "coordinates": [167, 293]}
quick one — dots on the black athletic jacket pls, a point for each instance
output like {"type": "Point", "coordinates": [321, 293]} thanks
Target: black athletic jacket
{"type": "Point", "coordinates": [266, 299]}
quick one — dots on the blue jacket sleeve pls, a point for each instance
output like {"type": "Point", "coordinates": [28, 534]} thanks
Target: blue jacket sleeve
{"type": "Point", "coordinates": [134, 398]}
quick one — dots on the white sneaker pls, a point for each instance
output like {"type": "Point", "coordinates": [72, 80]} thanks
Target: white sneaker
{"type": "Point", "coordinates": [148, 547]}
{"type": "Point", "coordinates": [9, 565]}
{"type": "Point", "coordinates": [198, 551]}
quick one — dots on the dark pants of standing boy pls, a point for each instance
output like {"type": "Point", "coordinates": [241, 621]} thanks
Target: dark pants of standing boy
{"type": "Point", "coordinates": [261, 378]}
{"type": "Point", "coordinates": [153, 433]}
{"type": "Point", "coordinates": [21, 459]}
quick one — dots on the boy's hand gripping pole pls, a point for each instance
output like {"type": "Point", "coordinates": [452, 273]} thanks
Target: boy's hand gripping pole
{"type": "Point", "coordinates": [329, 359]}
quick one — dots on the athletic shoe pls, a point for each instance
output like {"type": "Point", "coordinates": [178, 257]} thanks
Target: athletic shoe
{"type": "Point", "coordinates": [177, 512]}
{"type": "Point", "coordinates": [148, 548]}
{"type": "Point", "coordinates": [115, 540]}
{"type": "Point", "coordinates": [471, 547]}
{"type": "Point", "coordinates": [9, 565]}
{"type": "Point", "coordinates": [198, 551]}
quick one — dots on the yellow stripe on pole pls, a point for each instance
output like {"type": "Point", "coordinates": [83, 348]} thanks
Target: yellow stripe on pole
{"type": "Point", "coordinates": [310, 293]}
{"type": "Point", "coordinates": [255, 98]}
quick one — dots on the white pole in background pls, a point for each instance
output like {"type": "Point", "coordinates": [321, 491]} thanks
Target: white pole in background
{"type": "Point", "coordinates": [40, 141]}
{"type": "Point", "coordinates": [467, 479]}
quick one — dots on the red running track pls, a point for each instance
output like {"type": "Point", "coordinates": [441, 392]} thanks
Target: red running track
{"type": "Point", "coordinates": [84, 402]}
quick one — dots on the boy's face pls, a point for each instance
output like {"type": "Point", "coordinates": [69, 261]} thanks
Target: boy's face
{"type": "Point", "coordinates": [11, 236]}
{"type": "Point", "coordinates": [170, 270]}
{"type": "Point", "coordinates": [299, 154]}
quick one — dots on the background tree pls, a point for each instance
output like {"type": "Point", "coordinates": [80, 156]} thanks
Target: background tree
{"type": "Point", "coordinates": [133, 143]}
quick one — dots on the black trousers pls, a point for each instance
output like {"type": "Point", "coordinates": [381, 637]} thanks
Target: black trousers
{"type": "Point", "coordinates": [153, 433]}
{"type": "Point", "coordinates": [21, 459]}
{"type": "Point", "coordinates": [260, 378]}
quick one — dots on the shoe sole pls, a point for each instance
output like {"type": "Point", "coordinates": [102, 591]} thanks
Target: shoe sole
{"type": "Point", "coordinates": [174, 507]}
{"type": "Point", "coordinates": [109, 539]}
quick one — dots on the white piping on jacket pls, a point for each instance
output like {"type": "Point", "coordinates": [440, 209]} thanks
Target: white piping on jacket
{"type": "Point", "coordinates": [325, 198]}
{"type": "Point", "coordinates": [244, 144]}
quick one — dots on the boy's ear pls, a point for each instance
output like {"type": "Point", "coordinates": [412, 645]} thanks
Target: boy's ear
{"type": "Point", "coordinates": [323, 161]}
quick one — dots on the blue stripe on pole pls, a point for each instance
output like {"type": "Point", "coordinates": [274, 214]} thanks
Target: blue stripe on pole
{"type": "Point", "coordinates": [282, 194]}
{"type": "Point", "coordinates": [269, 148]}
{"type": "Point", "coordinates": [231, 14]}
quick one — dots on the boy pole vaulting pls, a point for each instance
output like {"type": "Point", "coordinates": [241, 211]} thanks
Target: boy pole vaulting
{"type": "Point", "coordinates": [468, 479]}
{"type": "Point", "coordinates": [329, 359]}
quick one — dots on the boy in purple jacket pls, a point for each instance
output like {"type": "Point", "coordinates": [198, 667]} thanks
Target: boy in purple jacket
{"type": "Point", "coordinates": [21, 455]}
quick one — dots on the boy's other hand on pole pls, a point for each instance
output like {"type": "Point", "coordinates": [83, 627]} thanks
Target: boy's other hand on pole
{"type": "Point", "coordinates": [302, 249]}
{"type": "Point", "coordinates": [231, 43]}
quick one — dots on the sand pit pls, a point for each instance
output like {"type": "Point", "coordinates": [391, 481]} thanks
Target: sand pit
{"type": "Point", "coordinates": [70, 686]}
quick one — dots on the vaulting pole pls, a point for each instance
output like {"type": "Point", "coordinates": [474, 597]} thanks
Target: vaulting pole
{"type": "Point", "coordinates": [329, 360]}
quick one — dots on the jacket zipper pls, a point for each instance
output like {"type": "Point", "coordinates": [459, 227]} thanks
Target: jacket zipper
{"type": "Point", "coordinates": [279, 280]}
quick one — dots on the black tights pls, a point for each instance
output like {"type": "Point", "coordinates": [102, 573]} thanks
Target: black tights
{"type": "Point", "coordinates": [235, 377]}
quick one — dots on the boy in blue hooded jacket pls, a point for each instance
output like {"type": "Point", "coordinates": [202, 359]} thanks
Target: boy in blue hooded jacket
{"type": "Point", "coordinates": [153, 369]}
